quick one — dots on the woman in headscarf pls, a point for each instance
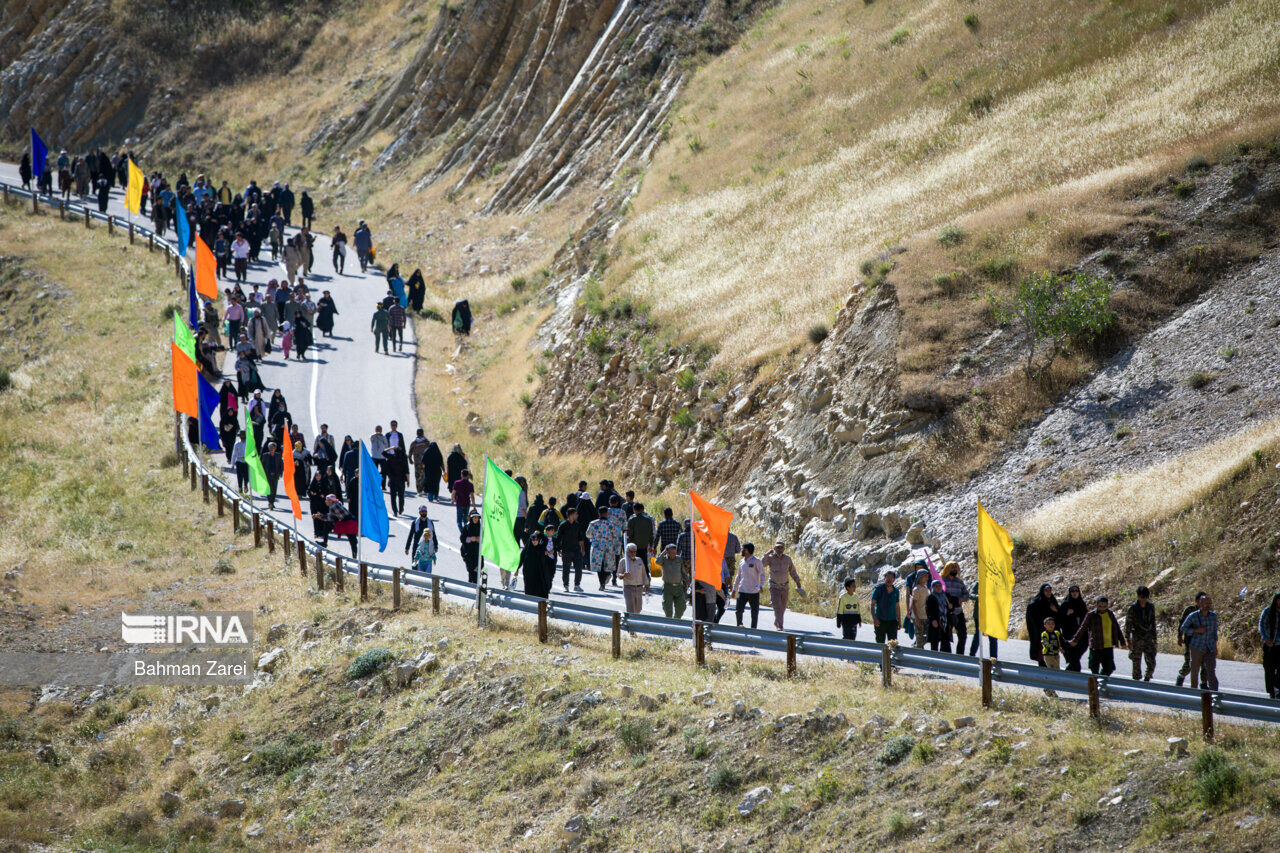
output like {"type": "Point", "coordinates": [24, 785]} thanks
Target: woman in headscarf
{"type": "Point", "coordinates": [315, 493]}
{"type": "Point", "coordinates": [302, 460]}
{"type": "Point", "coordinates": [292, 260]}
{"type": "Point", "coordinates": [432, 468]}
{"type": "Point", "coordinates": [286, 339]}
{"type": "Point", "coordinates": [341, 522]}
{"type": "Point", "coordinates": [462, 318]}
{"type": "Point", "coordinates": [417, 288]}
{"type": "Point", "coordinates": [276, 404]}
{"type": "Point", "coordinates": [349, 459]}
{"type": "Point", "coordinates": [533, 566]}
{"type": "Point", "coordinates": [1044, 605]}
{"type": "Point", "coordinates": [247, 376]}
{"type": "Point", "coordinates": [302, 337]}
{"type": "Point", "coordinates": [454, 466]}
{"type": "Point", "coordinates": [332, 482]}
{"type": "Point", "coordinates": [326, 310]}
{"type": "Point", "coordinates": [396, 284]}
{"type": "Point", "coordinates": [937, 608]}
{"type": "Point", "coordinates": [395, 467]}
{"type": "Point", "coordinates": [1071, 613]}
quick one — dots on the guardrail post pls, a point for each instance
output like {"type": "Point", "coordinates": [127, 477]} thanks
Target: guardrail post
{"type": "Point", "coordinates": [320, 571]}
{"type": "Point", "coordinates": [6, 193]}
{"type": "Point", "coordinates": [271, 536]}
{"type": "Point", "coordinates": [257, 530]}
{"type": "Point", "coordinates": [986, 682]}
{"type": "Point", "coordinates": [111, 224]}
{"type": "Point", "coordinates": [1206, 715]}
{"type": "Point", "coordinates": [204, 487]}
{"type": "Point", "coordinates": [699, 644]}
{"type": "Point", "coordinates": [151, 242]}
{"type": "Point", "coordinates": [338, 580]}
{"type": "Point", "coordinates": [86, 217]}
{"type": "Point", "coordinates": [482, 607]}
{"type": "Point", "coordinates": [284, 534]}
{"type": "Point", "coordinates": [395, 588]}
{"type": "Point", "coordinates": [221, 510]}
{"type": "Point", "coordinates": [617, 636]}
{"type": "Point", "coordinates": [302, 559]}
{"type": "Point", "coordinates": [1095, 703]}
{"type": "Point", "coordinates": [886, 666]}
{"type": "Point", "coordinates": [435, 595]}
{"type": "Point", "coordinates": [192, 468]}
{"type": "Point", "coordinates": [235, 516]}
{"type": "Point", "coordinates": [364, 581]}
{"type": "Point", "coordinates": [62, 208]}
{"type": "Point", "coordinates": [35, 202]}
{"type": "Point", "coordinates": [131, 233]}
{"type": "Point", "coordinates": [542, 621]}
{"type": "Point", "coordinates": [791, 655]}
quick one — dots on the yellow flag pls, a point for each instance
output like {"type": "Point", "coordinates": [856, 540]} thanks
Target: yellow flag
{"type": "Point", "coordinates": [133, 192]}
{"type": "Point", "coordinates": [995, 576]}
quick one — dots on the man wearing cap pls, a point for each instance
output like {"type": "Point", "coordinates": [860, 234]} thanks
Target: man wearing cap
{"type": "Point", "coordinates": [781, 572]}
{"type": "Point", "coordinates": [675, 580]}
{"type": "Point", "coordinates": [471, 545]}
{"type": "Point", "coordinates": [421, 523]}
{"type": "Point", "coordinates": [635, 579]}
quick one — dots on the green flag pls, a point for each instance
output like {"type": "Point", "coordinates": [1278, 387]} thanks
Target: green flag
{"type": "Point", "coordinates": [257, 476]}
{"type": "Point", "coordinates": [498, 518]}
{"type": "Point", "coordinates": [182, 336]}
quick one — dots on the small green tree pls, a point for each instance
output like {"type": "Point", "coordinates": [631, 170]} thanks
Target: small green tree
{"type": "Point", "coordinates": [1056, 309]}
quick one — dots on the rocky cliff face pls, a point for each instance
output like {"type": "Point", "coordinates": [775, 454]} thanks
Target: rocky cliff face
{"type": "Point", "coordinates": [62, 72]}
{"type": "Point", "coordinates": [568, 88]}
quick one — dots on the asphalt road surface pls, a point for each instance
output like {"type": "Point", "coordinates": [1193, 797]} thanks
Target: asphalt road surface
{"type": "Point", "coordinates": [346, 384]}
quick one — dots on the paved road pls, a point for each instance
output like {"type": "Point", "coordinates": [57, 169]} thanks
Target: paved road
{"type": "Point", "coordinates": [345, 384]}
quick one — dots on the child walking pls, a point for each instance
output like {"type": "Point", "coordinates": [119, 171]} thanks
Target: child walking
{"type": "Point", "coordinates": [425, 556]}
{"type": "Point", "coordinates": [847, 615]}
{"type": "Point", "coordinates": [1051, 646]}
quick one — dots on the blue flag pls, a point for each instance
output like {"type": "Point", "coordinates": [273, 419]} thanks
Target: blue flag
{"type": "Point", "coordinates": [397, 287]}
{"type": "Point", "coordinates": [184, 228]}
{"type": "Point", "coordinates": [193, 302]}
{"type": "Point", "coordinates": [374, 523]}
{"type": "Point", "coordinates": [210, 399]}
{"type": "Point", "coordinates": [39, 154]}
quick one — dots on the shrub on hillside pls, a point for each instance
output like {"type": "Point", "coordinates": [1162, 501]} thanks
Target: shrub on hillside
{"type": "Point", "coordinates": [367, 663]}
{"type": "Point", "coordinates": [1058, 310]}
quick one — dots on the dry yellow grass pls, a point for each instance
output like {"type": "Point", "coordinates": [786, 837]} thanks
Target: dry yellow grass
{"type": "Point", "coordinates": [1141, 498]}
{"type": "Point", "coordinates": [818, 143]}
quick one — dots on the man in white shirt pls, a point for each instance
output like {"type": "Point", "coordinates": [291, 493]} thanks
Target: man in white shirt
{"type": "Point", "coordinates": [635, 579]}
{"type": "Point", "coordinates": [748, 584]}
{"type": "Point", "coordinates": [377, 445]}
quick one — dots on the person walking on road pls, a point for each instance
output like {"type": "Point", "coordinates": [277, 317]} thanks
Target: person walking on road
{"type": "Point", "coordinates": [417, 287]}
{"type": "Point", "coordinates": [937, 611]}
{"type": "Point", "coordinates": [533, 566]}
{"type": "Point", "coordinates": [421, 523]}
{"type": "Point", "coordinates": [617, 522]}
{"type": "Point", "coordinates": [918, 606]}
{"type": "Point", "coordinates": [398, 318]}
{"type": "Point", "coordinates": [1201, 630]}
{"type": "Point", "coordinates": [1182, 639]}
{"type": "Point", "coordinates": [781, 572]}
{"type": "Point", "coordinates": [471, 546]}
{"type": "Point", "coordinates": [341, 522]}
{"type": "Point", "coordinates": [675, 583]}
{"type": "Point", "coordinates": [640, 531]}
{"type": "Point", "coordinates": [1044, 605]}
{"type": "Point", "coordinates": [464, 497]}
{"type": "Point", "coordinates": [1269, 629]}
{"type": "Point", "coordinates": [241, 466]}
{"type": "Point", "coordinates": [240, 256]}
{"type": "Point", "coordinates": [1071, 613]}
{"type": "Point", "coordinates": [416, 448]}
{"type": "Point", "coordinates": [848, 617]}
{"type": "Point", "coordinates": [454, 466]}
{"type": "Point", "coordinates": [599, 550]}
{"type": "Point", "coordinates": [1102, 629]}
{"type": "Point", "coordinates": [570, 542]}
{"type": "Point", "coordinates": [308, 208]}
{"type": "Point", "coordinates": [326, 310]}
{"type": "Point", "coordinates": [1140, 631]}
{"type": "Point", "coordinates": [667, 531]}
{"type": "Point", "coordinates": [273, 467]}
{"type": "Point", "coordinates": [885, 612]}
{"type": "Point", "coordinates": [432, 470]}
{"type": "Point", "coordinates": [363, 241]}
{"type": "Point", "coordinates": [380, 326]}
{"type": "Point", "coordinates": [424, 556]}
{"type": "Point", "coordinates": [24, 171]}
{"type": "Point", "coordinates": [339, 243]}
{"type": "Point", "coordinates": [396, 466]}
{"type": "Point", "coordinates": [635, 579]}
{"type": "Point", "coordinates": [957, 594]}
{"type": "Point", "coordinates": [748, 584]}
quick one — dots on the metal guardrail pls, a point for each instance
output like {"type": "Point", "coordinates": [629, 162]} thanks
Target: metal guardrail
{"type": "Point", "coordinates": [1239, 705]}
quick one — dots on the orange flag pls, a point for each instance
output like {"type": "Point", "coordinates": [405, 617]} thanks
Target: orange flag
{"type": "Point", "coordinates": [186, 392]}
{"type": "Point", "coordinates": [710, 537]}
{"type": "Point", "coordinates": [290, 488]}
{"type": "Point", "coordinates": [206, 270]}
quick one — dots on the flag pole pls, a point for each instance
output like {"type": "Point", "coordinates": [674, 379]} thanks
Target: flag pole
{"type": "Point", "coordinates": [482, 574]}
{"type": "Point", "coordinates": [693, 569]}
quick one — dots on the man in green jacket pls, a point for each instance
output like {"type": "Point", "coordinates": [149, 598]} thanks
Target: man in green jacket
{"type": "Point", "coordinates": [675, 582]}
{"type": "Point", "coordinates": [381, 328]}
{"type": "Point", "coordinates": [640, 531]}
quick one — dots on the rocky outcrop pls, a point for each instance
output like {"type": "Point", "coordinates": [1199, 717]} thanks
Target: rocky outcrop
{"type": "Point", "coordinates": [570, 88]}
{"type": "Point", "coordinates": [63, 72]}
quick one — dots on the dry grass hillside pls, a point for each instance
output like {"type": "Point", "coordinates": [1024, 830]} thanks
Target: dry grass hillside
{"type": "Point", "coordinates": [834, 131]}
